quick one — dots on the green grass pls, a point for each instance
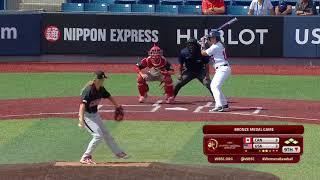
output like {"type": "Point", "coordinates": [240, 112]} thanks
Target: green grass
{"type": "Point", "coordinates": [42, 140]}
{"type": "Point", "coordinates": [31, 85]}
{"type": "Point", "coordinates": [170, 142]}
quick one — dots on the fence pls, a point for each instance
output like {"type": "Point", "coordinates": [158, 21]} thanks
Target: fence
{"type": "Point", "coordinates": [132, 35]}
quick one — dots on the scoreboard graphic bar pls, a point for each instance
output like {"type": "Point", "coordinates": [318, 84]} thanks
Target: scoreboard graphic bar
{"type": "Point", "coordinates": [257, 145]}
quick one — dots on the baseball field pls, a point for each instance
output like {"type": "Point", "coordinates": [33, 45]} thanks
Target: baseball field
{"type": "Point", "coordinates": [39, 103]}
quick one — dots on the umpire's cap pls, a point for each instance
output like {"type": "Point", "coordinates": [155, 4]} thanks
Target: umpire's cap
{"type": "Point", "coordinates": [100, 74]}
{"type": "Point", "coordinates": [213, 33]}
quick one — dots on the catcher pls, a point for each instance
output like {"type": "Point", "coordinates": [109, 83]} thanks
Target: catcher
{"type": "Point", "coordinates": [159, 69]}
{"type": "Point", "coordinates": [91, 96]}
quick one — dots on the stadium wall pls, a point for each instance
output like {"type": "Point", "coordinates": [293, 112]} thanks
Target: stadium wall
{"type": "Point", "coordinates": [132, 35]}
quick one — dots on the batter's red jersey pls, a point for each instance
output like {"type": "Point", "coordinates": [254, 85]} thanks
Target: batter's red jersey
{"type": "Point", "coordinates": [146, 62]}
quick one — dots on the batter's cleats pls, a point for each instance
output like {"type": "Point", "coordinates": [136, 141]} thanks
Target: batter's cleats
{"type": "Point", "coordinates": [143, 98]}
{"type": "Point", "coordinates": [225, 106]}
{"type": "Point", "coordinates": [170, 100]}
{"type": "Point", "coordinates": [122, 155]}
{"type": "Point", "coordinates": [87, 160]}
{"type": "Point", "coordinates": [217, 109]}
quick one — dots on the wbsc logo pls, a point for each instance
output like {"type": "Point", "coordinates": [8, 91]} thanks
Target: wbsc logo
{"type": "Point", "coordinates": [52, 33]}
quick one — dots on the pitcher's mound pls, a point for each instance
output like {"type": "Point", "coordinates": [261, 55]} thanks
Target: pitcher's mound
{"type": "Point", "coordinates": [124, 171]}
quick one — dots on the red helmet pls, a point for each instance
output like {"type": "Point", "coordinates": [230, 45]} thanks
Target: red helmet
{"type": "Point", "coordinates": [155, 51]}
{"type": "Point", "coordinates": [155, 54]}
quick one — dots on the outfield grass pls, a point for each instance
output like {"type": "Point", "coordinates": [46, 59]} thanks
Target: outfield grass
{"type": "Point", "coordinates": [41, 140]}
{"type": "Point", "coordinates": [60, 139]}
{"type": "Point", "coordinates": [31, 85]}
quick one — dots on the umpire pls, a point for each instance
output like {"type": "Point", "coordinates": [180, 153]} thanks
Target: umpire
{"type": "Point", "coordinates": [192, 65]}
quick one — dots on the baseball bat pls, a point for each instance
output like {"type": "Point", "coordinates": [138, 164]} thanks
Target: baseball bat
{"type": "Point", "coordinates": [231, 21]}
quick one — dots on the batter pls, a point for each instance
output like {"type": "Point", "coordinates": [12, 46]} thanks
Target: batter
{"type": "Point", "coordinates": [217, 53]}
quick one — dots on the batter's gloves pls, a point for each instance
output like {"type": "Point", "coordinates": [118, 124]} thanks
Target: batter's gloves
{"type": "Point", "coordinates": [119, 114]}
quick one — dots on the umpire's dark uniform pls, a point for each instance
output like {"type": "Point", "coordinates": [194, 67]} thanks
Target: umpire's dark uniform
{"type": "Point", "coordinates": [192, 65]}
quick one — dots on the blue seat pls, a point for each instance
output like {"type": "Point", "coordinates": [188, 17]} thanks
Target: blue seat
{"type": "Point", "coordinates": [96, 7]}
{"type": "Point", "coordinates": [167, 9]}
{"type": "Point", "coordinates": [72, 7]}
{"type": "Point", "coordinates": [78, 1]}
{"type": "Point", "coordinates": [190, 9]}
{"type": "Point", "coordinates": [291, 2]}
{"type": "Point", "coordinates": [125, 1]}
{"type": "Point", "coordinates": [148, 1]}
{"type": "Point", "coordinates": [120, 8]}
{"type": "Point", "coordinates": [143, 8]}
{"type": "Point", "coordinates": [193, 2]}
{"type": "Point", "coordinates": [237, 10]}
{"type": "Point", "coordinates": [243, 2]}
{"type": "Point", "coordinates": [103, 1]}
{"type": "Point", "coordinates": [171, 2]}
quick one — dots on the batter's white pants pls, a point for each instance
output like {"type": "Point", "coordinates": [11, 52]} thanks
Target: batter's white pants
{"type": "Point", "coordinates": [222, 74]}
{"type": "Point", "coordinates": [95, 127]}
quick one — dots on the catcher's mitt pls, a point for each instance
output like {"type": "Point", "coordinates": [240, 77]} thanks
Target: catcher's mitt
{"type": "Point", "coordinates": [119, 114]}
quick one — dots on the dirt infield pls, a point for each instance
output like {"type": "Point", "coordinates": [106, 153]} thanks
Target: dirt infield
{"type": "Point", "coordinates": [184, 109]}
{"type": "Point", "coordinates": [121, 171]}
{"type": "Point", "coordinates": [129, 68]}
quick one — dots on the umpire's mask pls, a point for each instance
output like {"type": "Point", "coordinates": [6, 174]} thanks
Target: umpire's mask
{"type": "Point", "coordinates": [193, 47]}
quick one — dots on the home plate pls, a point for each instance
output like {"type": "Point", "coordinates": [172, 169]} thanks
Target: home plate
{"type": "Point", "coordinates": [177, 109]}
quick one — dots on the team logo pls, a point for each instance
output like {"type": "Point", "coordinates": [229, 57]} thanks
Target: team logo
{"type": "Point", "coordinates": [52, 34]}
{"type": "Point", "coordinates": [212, 144]}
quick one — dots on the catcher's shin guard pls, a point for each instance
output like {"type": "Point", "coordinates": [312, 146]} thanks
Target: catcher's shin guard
{"type": "Point", "coordinates": [168, 86]}
{"type": "Point", "coordinates": [142, 86]}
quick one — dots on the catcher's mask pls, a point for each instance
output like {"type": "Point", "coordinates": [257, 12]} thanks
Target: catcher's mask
{"type": "Point", "coordinates": [155, 53]}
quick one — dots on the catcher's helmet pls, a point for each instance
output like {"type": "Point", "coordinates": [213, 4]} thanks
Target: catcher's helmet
{"type": "Point", "coordinates": [155, 51]}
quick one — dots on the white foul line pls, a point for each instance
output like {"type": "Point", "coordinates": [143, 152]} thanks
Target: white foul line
{"type": "Point", "coordinates": [199, 108]}
{"type": "Point", "coordinates": [156, 105]}
{"type": "Point", "coordinates": [257, 111]}
{"type": "Point", "coordinates": [261, 115]}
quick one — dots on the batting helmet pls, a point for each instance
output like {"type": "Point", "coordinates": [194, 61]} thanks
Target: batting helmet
{"type": "Point", "coordinates": [214, 33]}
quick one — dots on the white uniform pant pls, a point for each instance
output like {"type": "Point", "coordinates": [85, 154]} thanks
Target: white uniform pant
{"type": "Point", "coordinates": [95, 127]}
{"type": "Point", "coordinates": [222, 74]}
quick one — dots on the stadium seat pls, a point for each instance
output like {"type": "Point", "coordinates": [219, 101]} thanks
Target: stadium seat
{"type": "Point", "coordinates": [72, 7]}
{"type": "Point", "coordinates": [190, 9]}
{"type": "Point", "coordinates": [125, 1]}
{"type": "Point", "coordinates": [171, 2]}
{"type": "Point", "coordinates": [148, 1]}
{"type": "Point", "coordinates": [78, 1]}
{"type": "Point", "coordinates": [120, 8]}
{"type": "Point", "coordinates": [96, 7]}
{"type": "Point", "coordinates": [291, 2]}
{"type": "Point", "coordinates": [275, 2]}
{"type": "Point", "coordinates": [243, 2]}
{"type": "Point", "coordinates": [143, 8]}
{"type": "Point", "coordinates": [167, 9]}
{"type": "Point", "coordinates": [237, 10]}
{"type": "Point", "coordinates": [193, 2]}
{"type": "Point", "coordinates": [103, 1]}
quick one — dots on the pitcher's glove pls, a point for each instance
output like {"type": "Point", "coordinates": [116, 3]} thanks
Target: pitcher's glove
{"type": "Point", "coordinates": [119, 114]}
